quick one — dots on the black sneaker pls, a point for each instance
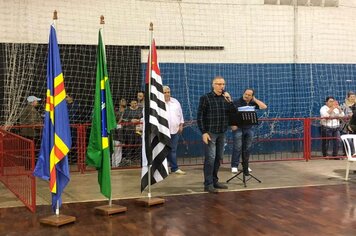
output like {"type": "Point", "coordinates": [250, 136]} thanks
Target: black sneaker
{"type": "Point", "coordinates": [219, 185]}
{"type": "Point", "coordinates": [210, 189]}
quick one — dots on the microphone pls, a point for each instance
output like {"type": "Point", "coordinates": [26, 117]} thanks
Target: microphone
{"type": "Point", "coordinates": [226, 96]}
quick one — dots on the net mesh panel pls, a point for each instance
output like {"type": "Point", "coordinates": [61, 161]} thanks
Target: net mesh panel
{"type": "Point", "coordinates": [292, 55]}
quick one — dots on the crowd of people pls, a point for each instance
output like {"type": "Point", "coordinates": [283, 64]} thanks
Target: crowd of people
{"type": "Point", "coordinates": [128, 134]}
{"type": "Point", "coordinates": [337, 120]}
{"type": "Point", "coordinates": [213, 118]}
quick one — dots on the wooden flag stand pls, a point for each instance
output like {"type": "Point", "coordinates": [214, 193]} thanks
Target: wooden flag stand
{"type": "Point", "coordinates": [150, 201]}
{"type": "Point", "coordinates": [110, 209]}
{"type": "Point", "coordinates": [57, 219]}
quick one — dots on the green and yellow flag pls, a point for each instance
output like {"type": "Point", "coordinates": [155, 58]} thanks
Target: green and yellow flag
{"type": "Point", "coordinates": [103, 122]}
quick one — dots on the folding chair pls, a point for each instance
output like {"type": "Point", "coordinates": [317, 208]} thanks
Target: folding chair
{"type": "Point", "coordinates": [349, 141]}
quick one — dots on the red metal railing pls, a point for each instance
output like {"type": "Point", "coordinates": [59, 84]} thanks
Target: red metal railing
{"type": "Point", "coordinates": [276, 139]}
{"type": "Point", "coordinates": [307, 139]}
{"type": "Point", "coordinates": [17, 161]}
{"type": "Point", "coordinates": [81, 145]}
{"type": "Point", "coordinates": [280, 139]}
{"type": "Point", "coordinates": [315, 139]}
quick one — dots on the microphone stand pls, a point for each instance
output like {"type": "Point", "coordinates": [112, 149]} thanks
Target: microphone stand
{"type": "Point", "coordinates": [244, 178]}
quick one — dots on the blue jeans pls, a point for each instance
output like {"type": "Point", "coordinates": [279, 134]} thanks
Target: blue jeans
{"type": "Point", "coordinates": [214, 151]}
{"type": "Point", "coordinates": [172, 155]}
{"type": "Point", "coordinates": [329, 133]}
{"type": "Point", "coordinates": [242, 142]}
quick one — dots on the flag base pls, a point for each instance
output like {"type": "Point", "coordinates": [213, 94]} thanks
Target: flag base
{"type": "Point", "coordinates": [110, 210]}
{"type": "Point", "coordinates": [150, 201]}
{"type": "Point", "coordinates": [57, 220]}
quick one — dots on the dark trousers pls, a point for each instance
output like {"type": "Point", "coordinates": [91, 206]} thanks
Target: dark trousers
{"type": "Point", "coordinates": [329, 133]}
{"type": "Point", "coordinates": [214, 152]}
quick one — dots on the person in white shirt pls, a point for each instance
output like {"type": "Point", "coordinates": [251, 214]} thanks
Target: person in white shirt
{"type": "Point", "coordinates": [330, 128]}
{"type": "Point", "coordinates": [175, 122]}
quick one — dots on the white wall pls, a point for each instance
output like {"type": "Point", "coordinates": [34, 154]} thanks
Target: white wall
{"type": "Point", "coordinates": [250, 31]}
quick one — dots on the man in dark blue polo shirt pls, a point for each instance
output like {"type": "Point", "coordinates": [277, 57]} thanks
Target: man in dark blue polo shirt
{"type": "Point", "coordinates": [243, 135]}
{"type": "Point", "coordinates": [213, 120]}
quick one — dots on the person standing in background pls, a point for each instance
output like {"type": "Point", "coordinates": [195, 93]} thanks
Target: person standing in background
{"type": "Point", "coordinates": [349, 105]}
{"type": "Point", "coordinates": [243, 135]}
{"type": "Point", "coordinates": [30, 116]}
{"type": "Point", "coordinates": [73, 110]}
{"type": "Point", "coordinates": [351, 126]}
{"type": "Point", "coordinates": [119, 112]}
{"type": "Point", "coordinates": [116, 156]}
{"type": "Point", "coordinates": [141, 99]}
{"type": "Point", "coordinates": [175, 122]}
{"type": "Point", "coordinates": [74, 120]}
{"type": "Point", "coordinates": [131, 135]}
{"type": "Point", "coordinates": [330, 128]}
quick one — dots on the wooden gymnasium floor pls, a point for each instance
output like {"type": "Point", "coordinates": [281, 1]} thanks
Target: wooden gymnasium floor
{"type": "Point", "coordinates": [294, 198]}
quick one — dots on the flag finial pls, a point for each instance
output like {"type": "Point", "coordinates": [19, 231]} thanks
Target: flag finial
{"type": "Point", "coordinates": [102, 20]}
{"type": "Point", "coordinates": [55, 17]}
{"type": "Point", "coordinates": [151, 26]}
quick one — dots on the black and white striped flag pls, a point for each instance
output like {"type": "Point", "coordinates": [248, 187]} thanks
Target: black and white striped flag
{"type": "Point", "coordinates": [156, 140]}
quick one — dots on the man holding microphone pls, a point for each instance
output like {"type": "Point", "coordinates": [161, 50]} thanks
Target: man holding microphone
{"type": "Point", "coordinates": [213, 121]}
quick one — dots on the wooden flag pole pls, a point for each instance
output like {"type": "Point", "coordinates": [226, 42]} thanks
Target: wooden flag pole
{"type": "Point", "coordinates": [149, 99]}
{"type": "Point", "coordinates": [109, 209]}
{"type": "Point", "coordinates": [57, 219]}
{"type": "Point", "coordinates": [150, 201]}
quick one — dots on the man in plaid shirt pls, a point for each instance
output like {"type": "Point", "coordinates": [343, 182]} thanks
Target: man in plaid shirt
{"type": "Point", "coordinates": [213, 120]}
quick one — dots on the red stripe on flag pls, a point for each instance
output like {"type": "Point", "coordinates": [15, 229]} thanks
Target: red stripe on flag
{"type": "Point", "coordinates": [58, 153]}
{"type": "Point", "coordinates": [51, 106]}
{"type": "Point", "coordinates": [58, 89]}
{"type": "Point", "coordinates": [154, 63]}
{"type": "Point", "coordinates": [52, 180]}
